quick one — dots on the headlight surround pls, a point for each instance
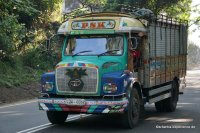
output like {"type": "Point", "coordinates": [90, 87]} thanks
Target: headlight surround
{"type": "Point", "coordinates": [110, 88]}
{"type": "Point", "coordinates": [48, 86]}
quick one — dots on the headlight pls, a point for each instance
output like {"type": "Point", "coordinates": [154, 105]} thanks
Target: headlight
{"type": "Point", "coordinates": [48, 86]}
{"type": "Point", "coordinates": [110, 88]}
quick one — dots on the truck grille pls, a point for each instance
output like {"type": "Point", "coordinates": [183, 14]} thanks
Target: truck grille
{"type": "Point", "coordinates": [78, 80]}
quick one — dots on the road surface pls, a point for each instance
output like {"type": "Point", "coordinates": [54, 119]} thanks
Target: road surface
{"type": "Point", "coordinates": [25, 117]}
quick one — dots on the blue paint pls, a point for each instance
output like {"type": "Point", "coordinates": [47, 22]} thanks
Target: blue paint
{"type": "Point", "coordinates": [116, 78]}
{"type": "Point", "coordinates": [50, 106]}
{"type": "Point", "coordinates": [100, 108]}
{"type": "Point", "coordinates": [48, 77]}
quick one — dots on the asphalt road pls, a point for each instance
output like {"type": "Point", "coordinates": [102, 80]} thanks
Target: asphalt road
{"type": "Point", "coordinates": [25, 117]}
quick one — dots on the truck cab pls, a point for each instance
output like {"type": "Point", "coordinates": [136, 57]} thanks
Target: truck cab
{"type": "Point", "coordinates": [102, 70]}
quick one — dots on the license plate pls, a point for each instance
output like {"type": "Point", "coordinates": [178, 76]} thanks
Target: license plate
{"type": "Point", "coordinates": [75, 102]}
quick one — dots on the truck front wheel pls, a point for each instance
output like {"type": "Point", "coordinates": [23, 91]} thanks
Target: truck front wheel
{"type": "Point", "coordinates": [57, 117]}
{"type": "Point", "coordinates": [131, 117]}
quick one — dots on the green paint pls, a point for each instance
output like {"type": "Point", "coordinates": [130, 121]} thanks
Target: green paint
{"type": "Point", "coordinates": [125, 24]}
{"type": "Point", "coordinates": [117, 107]}
{"type": "Point", "coordinates": [92, 108]}
{"type": "Point", "coordinates": [80, 32]}
{"type": "Point", "coordinates": [57, 107]}
{"type": "Point", "coordinates": [111, 111]}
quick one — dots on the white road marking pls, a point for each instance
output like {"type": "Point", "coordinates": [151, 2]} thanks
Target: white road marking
{"type": "Point", "coordinates": [7, 112]}
{"type": "Point", "coordinates": [19, 103]}
{"type": "Point", "coordinates": [40, 129]}
{"type": "Point", "coordinates": [47, 125]}
{"type": "Point", "coordinates": [78, 116]}
{"type": "Point", "coordinates": [24, 131]}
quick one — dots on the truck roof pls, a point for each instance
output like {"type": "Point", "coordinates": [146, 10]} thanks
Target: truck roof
{"type": "Point", "coordinates": [102, 23]}
{"type": "Point", "coordinates": [108, 14]}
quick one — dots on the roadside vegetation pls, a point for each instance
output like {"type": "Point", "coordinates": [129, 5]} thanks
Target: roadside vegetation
{"type": "Point", "coordinates": [26, 24]}
{"type": "Point", "coordinates": [24, 27]}
{"type": "Point", "coordinates": [193, 57]}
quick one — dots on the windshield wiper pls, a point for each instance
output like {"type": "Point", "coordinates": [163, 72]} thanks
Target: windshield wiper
{"type": "Point", "coordinates": [81, 52]}
{"type": "Point", "coordinates": [109, 51]}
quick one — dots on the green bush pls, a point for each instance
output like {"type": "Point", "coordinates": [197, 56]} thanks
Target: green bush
{"type": "Point", "coordinates": [39, 59]}
{"type": "Point", "coordinates": [15, 73]}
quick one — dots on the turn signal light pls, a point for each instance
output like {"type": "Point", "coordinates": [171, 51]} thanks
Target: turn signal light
{"type": "Point", "coordinates": [48, 86]}
{"type": "Point", "coordinates": [110, 88]}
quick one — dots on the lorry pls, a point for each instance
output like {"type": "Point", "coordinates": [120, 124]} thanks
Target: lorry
{"type": "Point", "coordinates": [116, 62]}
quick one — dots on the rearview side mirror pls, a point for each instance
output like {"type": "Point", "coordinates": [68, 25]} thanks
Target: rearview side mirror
{"type": "Point", "coordinates": [134, 42]}
{"type": "Point", "coordinates": [48, 42]}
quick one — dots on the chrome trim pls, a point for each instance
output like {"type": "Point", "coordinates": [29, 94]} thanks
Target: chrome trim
{"type": "Point", "coordinates": [113, 96]}
{"type": "Point", "coordinates": [89, 102]}
{"type": "Point", "coordinates": [64, 92]}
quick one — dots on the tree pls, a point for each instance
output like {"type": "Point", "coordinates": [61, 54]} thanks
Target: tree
{"type": "Point", "coordinates": [15, 16]}
{"type": "Point", "coordinates": [174, 8]}
{"type": "Point", "coordinates": [195, 20]}
{"type": "Point", "coordinates": [93, 4]}
{"type": "Point", "coordinates": [180, 10]}
{"type": "Point", "coordinates": [193, 55]}
{"type": "Point", "coordinates": [20, 21]}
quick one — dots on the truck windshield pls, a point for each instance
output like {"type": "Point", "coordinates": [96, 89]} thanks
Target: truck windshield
{"type": "Point", "coordinates": [95, 45]}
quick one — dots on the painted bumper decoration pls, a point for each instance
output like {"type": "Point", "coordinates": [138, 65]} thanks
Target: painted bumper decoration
{"type": "Point", "coordinates": [89, 107]}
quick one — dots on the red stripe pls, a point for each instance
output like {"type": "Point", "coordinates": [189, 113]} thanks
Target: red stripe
{"type": "Point", "coordinates": [84, 109]}
{"type": "Point", "coordinates": [75, 108]}
{"type": "Point", "coordinates": [64, 107]}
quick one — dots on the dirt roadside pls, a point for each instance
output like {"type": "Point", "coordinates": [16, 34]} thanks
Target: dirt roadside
{"type": "Point", "coordinates": [20, 93]}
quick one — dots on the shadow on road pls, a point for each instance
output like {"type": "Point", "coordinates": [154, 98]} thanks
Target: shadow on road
{"type": "Point", "coordinates": [153, 121]}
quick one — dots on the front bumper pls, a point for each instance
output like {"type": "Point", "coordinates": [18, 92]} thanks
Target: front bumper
{"type": "Point", "coordinates": [90, 106]}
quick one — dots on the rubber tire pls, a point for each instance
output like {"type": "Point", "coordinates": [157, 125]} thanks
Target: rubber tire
{"type": "Point", "coordinates": [169, 104]}
{"type": "Point", "coordinates": [160, 106]}
{"type": "Point", "coordinates": [132, 115]}
{"type": "Point", "coordinates": [57, 117]}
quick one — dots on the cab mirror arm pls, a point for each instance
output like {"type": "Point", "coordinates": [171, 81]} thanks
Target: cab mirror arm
{"type": "Point", "coordinates": [48, 42]}
{"type": "Point", "coordinates": [48, 45]}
